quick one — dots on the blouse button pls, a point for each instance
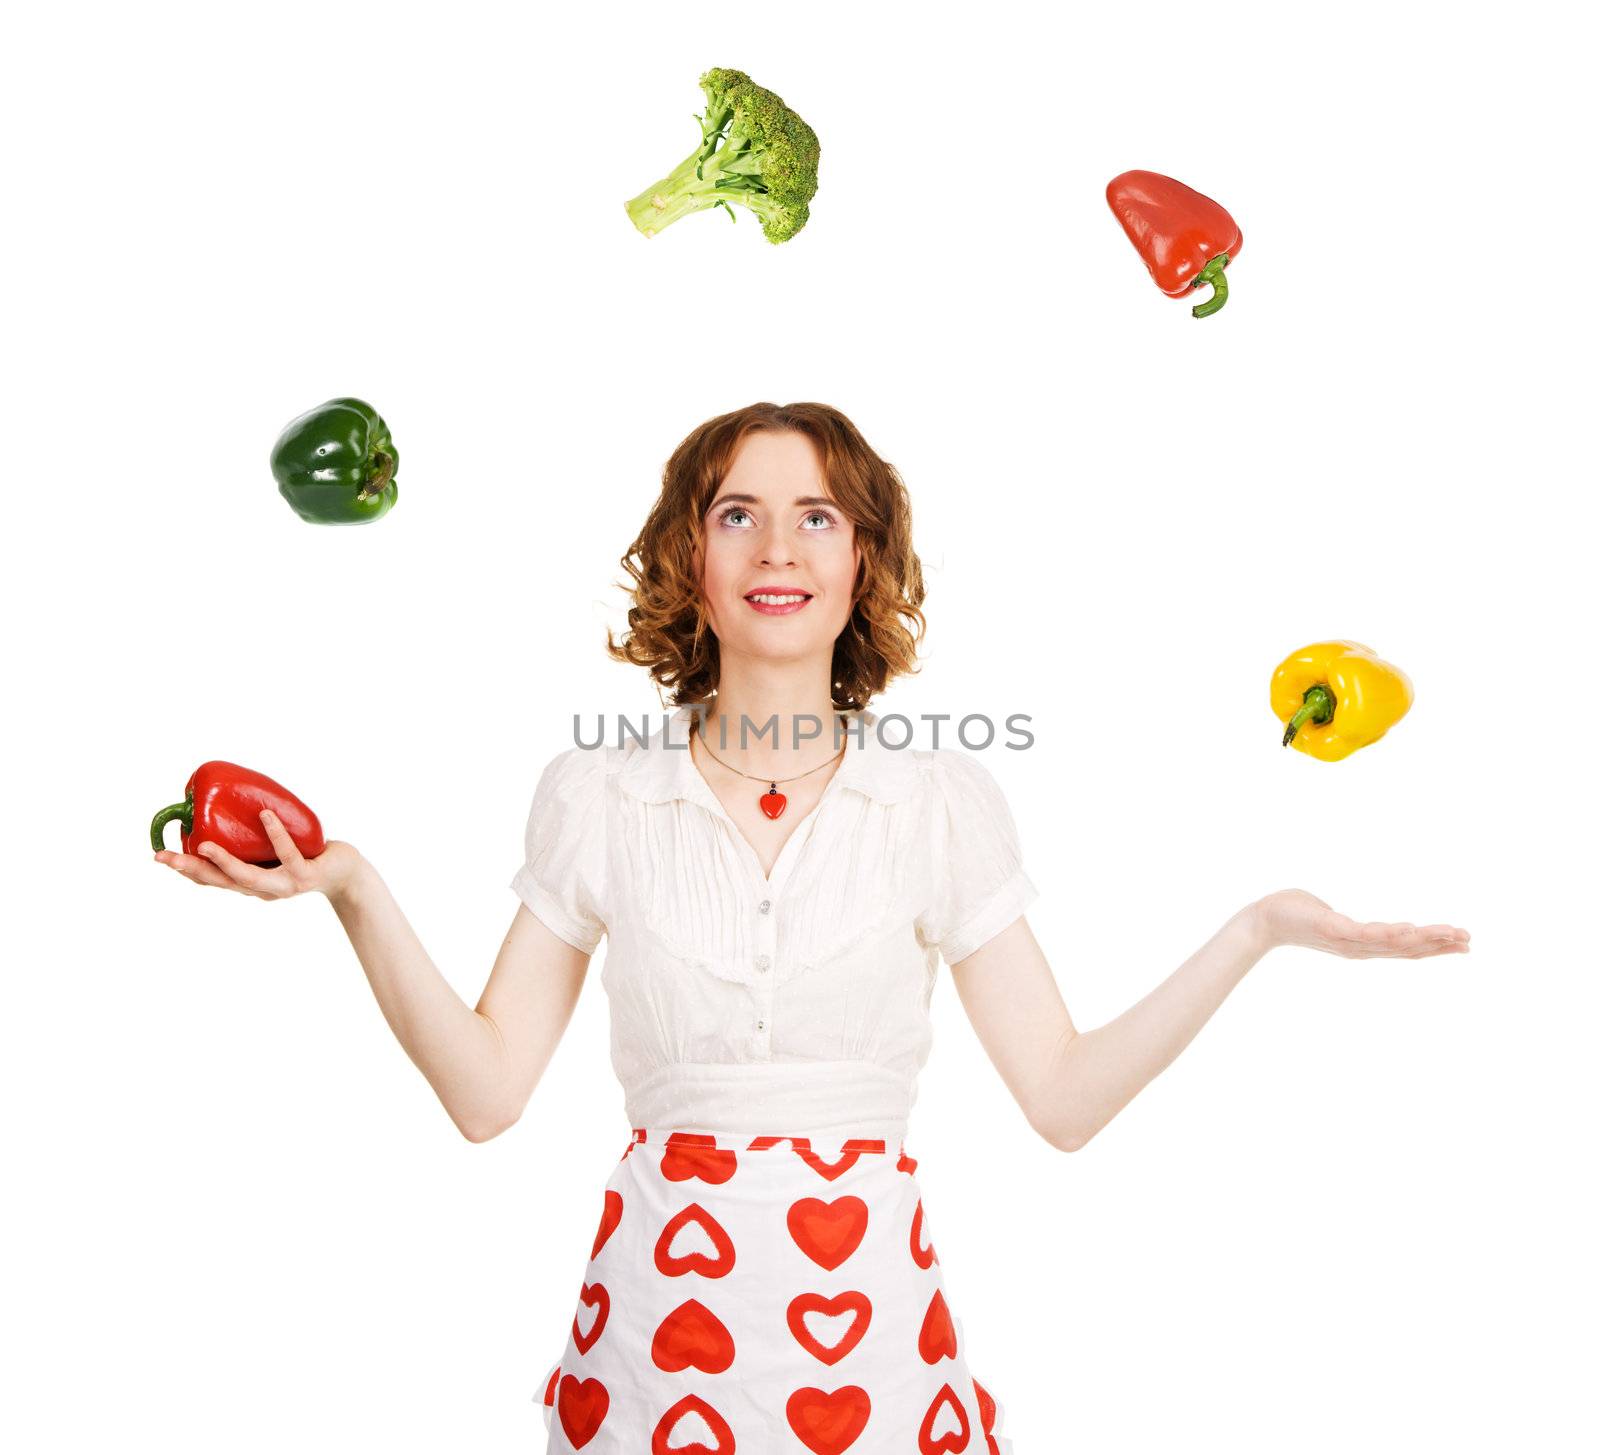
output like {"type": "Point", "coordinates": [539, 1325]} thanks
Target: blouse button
{"type": "Point", "coordinates": [763, 962]}
{"type": "Point", "coordinates": [764, 906]}
{"type": "Point", "coordinates": [761, 1025]}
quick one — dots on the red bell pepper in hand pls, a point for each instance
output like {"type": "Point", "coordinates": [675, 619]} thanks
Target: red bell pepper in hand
{"type": "Point", "coordinates": [1185, 238]}
{"type": "Point", "coordinates": [222, 805]}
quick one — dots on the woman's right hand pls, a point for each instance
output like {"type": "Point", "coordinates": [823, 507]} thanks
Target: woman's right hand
{"type": "Point", "coordinates": [329, 873]}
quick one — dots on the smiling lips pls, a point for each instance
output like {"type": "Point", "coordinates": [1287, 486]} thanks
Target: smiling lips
{"type": "Point", "coordinates": [777, 602]}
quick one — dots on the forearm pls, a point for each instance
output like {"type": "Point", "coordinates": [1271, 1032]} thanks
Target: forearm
{"type": "Point", "coordinates": [455, 1048]}
{"type": "Point", "coordinates": [1098, 1072]}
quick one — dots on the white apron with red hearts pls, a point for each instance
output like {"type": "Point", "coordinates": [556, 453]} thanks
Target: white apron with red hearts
{"type": "Point", "coordinates": [771, 1295]}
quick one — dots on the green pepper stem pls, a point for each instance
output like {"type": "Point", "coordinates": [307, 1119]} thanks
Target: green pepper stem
{"type": "Point", "coordinates": [183, 812]}
{"type": "Point", "coordinates": [1317, 706]}
{"type": "Point", "coordinates": [1213, 274]}
{"type": "Point", "coordinates": [378, 481]}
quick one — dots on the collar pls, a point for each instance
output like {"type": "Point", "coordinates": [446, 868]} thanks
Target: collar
{"type": "Point", "coordinates": [660, 768]}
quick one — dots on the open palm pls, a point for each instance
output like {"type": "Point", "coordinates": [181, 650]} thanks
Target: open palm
{"type": "Point", "coordinates": [1294, 917]}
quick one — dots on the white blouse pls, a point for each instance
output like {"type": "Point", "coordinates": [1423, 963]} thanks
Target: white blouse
{"type": "Point", "coordinates": [795, 1005]}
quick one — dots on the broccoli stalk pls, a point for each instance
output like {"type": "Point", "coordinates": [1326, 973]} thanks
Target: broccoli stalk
{"type": "Point", "coordinates": [753, 150]}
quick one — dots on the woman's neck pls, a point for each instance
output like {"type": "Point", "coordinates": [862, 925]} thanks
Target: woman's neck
{"type": "Point", "coordinates": [775, 725]}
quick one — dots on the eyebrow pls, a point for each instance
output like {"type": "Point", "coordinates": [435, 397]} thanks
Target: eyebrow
{"type": "Point", "coordinates": [752, 500]}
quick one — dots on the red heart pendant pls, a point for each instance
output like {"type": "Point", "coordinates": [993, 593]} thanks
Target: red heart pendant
{"type": "Point", "coordinates": [774, 803]}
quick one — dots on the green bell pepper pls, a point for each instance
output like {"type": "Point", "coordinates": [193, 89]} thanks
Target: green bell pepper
{"type": "Point", "coordinates": [336, 464]}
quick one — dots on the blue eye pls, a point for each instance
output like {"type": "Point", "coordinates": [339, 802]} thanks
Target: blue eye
{"type": "Point", "coordinates": [727, 515]}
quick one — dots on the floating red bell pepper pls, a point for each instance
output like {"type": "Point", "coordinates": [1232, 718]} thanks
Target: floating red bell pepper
{"type": "Point", "coordinates": [222, 805]}
{"type": "Point", "coordinates": [1185, 239]}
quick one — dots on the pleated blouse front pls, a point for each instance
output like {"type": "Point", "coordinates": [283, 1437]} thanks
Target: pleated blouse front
{"type": "Point", "coordinates": [740, 1003]}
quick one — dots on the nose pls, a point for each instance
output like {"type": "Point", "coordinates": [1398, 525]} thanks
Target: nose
{"type": "Point", "coordinates": [775, 550]}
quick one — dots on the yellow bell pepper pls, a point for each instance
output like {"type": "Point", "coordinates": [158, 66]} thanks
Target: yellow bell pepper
{"type": "Point", "coordinates": [1335, 697]}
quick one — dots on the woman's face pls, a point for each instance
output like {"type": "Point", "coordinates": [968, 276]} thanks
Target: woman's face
{"type": "Point", "coordinates": [773, 531]}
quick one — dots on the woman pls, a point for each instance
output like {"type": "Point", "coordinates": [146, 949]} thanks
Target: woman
{"type": "Point", "coordinates": [776, 906]}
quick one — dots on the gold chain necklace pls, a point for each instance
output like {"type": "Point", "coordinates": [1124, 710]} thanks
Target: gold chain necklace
{"type": "Point", "coordinates": [772, 802]}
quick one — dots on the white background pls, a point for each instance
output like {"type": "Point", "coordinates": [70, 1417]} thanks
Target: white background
{"type": "Point", "coordinates": [1350, 1216]}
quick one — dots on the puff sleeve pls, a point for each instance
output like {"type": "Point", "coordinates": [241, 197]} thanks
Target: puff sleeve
{"type": "Point", "coordinates": [981, 885]}
{"type": "Point", "coordinates": [562, 879]}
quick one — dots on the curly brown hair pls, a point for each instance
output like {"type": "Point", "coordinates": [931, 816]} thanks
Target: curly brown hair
{"type": "Point", "coordinates": [668, 630]}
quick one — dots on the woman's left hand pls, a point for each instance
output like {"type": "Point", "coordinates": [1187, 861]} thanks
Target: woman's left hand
{"type": "Point", "coordinates": [1293, 917]}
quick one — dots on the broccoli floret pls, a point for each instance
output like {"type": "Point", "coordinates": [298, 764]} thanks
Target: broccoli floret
{"type": "Point", "coordinates": [753, 150]}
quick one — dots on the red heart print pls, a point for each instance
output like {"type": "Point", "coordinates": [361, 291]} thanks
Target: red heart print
{"type": "Point", "coordinates": [581, 1407]}
{"type": "Point", "coordinates": [692, 1404]}
{"type": "Point", "coordinates": [922, 1254]}
{"type": "Point", "coordinates": [550, 1385]}
{"type": "Point", "coordinates": [674, 1266]}
{"type": "Point", "coordinates": [610, 1216]}
{"type": "Point", "coordinates": [938, 1337]}
{"type": "Point", "coordinates": [690, 1154]}
{"type": "Point", "coordinates": [987, 1410]}
{"type": "Point", "coordinates": [849, 1153]}
{"type": "Point", "coordinates": [854, 1303]}
{"type": "Point", "coordinates": [595, 1295]}
{"type": "Point", "coordinates": [828, 1424]}
{"type": "Point", "coordinates": [772, 803]}
{"type": "Point", "coordinates": [828, 1232]}
{"type": "Point", "coordinates": [902, 1164]}
{"type": "Point", "coordinates": [761, 1144]}
{"type": "Point", "coordinates": [947, 1441]}
{"type": "Point", "coordinates": [830, 1170]}
{"type": "Point", "coordinates": [692, 1337]}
